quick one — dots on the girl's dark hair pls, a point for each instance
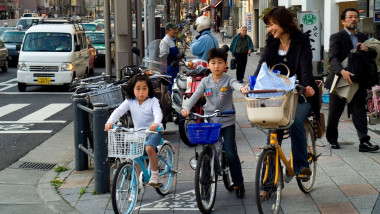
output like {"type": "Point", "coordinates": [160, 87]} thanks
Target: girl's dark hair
{"type": "Point", "coordinates": [343, 15]}
{"type": "Point", "coordinates": [134, 80]}
{"type": "Point", "coordinates": [283, 17]}
{"type": "Point", "coordinates": [216, 53]}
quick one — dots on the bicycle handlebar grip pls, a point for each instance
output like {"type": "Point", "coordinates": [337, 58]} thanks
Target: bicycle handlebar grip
{"type": "Point", "coordinates": [228, 112]}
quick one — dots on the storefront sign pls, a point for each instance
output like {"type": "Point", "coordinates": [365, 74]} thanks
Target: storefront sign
{"type": "Point", "coordinates": [376, 16]}
{"type": "Point", "coordinates": [309, 22]}
{"type": "Point", "coordinates": [249, 22]}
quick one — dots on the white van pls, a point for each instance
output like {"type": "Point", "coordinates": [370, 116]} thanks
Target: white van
{"type": "Point", "coordinates": [52, 54]}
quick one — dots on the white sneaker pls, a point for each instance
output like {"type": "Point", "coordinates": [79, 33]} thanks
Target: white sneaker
{"type": "Point", "coordinates": [154, 179]}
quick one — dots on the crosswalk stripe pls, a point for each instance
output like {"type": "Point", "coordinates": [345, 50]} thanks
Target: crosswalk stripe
{"type": "Point", "coordinates": [11, 108]}
{"type": "Point", "coordinates": [27, 132]}
{"type": "Point", "coordinates": [45, 112]}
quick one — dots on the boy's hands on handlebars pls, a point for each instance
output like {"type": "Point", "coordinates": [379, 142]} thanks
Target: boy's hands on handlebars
{"type": "Point", "coordinates": [244, 88]}
{"type": "Point", "coordinates": [185, 112]}
{"type": "Point", "coordinates": [153, 127]}
{"type": "Point", "coordinates": [108, 126]}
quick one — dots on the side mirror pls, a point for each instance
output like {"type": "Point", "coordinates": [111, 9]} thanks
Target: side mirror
{"type": "Point", "coordinates": [77, 47]}
{"type": "Point", "coordinates": [136, 51]}
{"type": "Point", "coordinates": [18, 47]}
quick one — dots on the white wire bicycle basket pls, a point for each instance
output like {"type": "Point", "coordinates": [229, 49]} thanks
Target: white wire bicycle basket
{"type": "Point", "coordinates": [112, 96]}
{"type": "Point", "coordinates": [128, 145]}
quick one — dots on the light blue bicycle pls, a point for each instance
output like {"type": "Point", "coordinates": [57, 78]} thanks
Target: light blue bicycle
{"type": "Point", "coordinates": [128, 146]}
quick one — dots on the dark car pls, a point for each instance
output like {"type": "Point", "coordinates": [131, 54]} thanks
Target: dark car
{"type": "Point", "coordinates": [97, 39]}
{"type": "Point", "coordinates": [11, 38]}
{"type": "Point", "coordinates": [3, 29]}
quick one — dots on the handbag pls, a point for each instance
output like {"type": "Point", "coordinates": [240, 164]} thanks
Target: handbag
{"type": "Point", "coordinates": [233, 64]}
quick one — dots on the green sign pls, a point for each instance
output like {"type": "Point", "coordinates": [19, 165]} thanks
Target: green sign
{"type": "Point", "coordinates": [309, 19]}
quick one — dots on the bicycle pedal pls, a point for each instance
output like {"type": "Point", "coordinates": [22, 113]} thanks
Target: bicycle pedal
{"type": "Point", "coordinates": [173, 171]}
{"type": "Point", "coordinates": [159, 185]}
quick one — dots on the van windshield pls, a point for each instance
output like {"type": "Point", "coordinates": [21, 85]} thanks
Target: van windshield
{"type": "Point", "coordinates": [47, 42]}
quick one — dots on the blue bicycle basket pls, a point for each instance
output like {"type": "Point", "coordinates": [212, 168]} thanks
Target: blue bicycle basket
{"type": "Point", "coordinates": [204, 133]}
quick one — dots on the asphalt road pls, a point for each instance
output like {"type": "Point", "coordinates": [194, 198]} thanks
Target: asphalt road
{"type": "Point", "coordinates": [29, 118]}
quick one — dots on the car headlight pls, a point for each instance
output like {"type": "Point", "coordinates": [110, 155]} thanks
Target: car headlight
{"type": "Point", "coordinates": [22, 66]}
{"type": "Point", "coordinates": [67, 66]}
{"type": "Point", "coordinates": [101, 51]}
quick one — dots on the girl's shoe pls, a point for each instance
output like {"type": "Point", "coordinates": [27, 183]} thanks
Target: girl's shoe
{"type": "Point", "coordinates": [154, 179]}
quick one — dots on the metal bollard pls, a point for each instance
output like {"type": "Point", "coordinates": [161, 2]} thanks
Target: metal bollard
{"type": "Point", "coordinates": [81, 124]}
{"type": "Point", "coordinates": [101, 166]}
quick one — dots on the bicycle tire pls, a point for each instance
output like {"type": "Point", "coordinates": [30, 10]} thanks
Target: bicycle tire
{"type": "Point", "coordinates": [165, 169]}
{"type": "Point", "coordinates": [205, 183]}
{"type": "Point", "coordinates": [122, 188]}
{"type": "Point", "coordinates": [266, 166]}
{"type": "Point", "coordinates": [227, 179]}
{"type": "Point", "coordinates": [182, 128]}
{"type": "Point", "coordinates": [307, 186]}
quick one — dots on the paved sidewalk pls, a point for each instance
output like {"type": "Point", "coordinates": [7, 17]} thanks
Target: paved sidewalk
{"type": "Point", "coordinates": [347, 181]}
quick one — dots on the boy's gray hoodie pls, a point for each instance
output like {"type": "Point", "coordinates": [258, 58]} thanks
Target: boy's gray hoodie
{"type": "Point", "coordinates": [218, 96]}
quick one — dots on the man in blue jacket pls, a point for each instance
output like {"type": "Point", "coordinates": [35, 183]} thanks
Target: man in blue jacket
{"type": "Point", "coordinates": [241, 46]}
{"type": "Point", "coordinates": [205, 40]}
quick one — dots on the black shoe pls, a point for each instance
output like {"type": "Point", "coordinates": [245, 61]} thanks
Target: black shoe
{"type": "Point", "coordinates": [239, 191]}
{"type": "Point", "coordinates": [241, 81]}
{"type": "Point", "coordinates": [304, 174]}
{"type": "Point", "coordinates": [367, 147]}
{"type": "Point", "coordinates": [334, 145]}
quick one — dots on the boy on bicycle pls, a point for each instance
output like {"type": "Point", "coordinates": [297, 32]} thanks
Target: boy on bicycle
{"type": "Point", "coordinates": [217, 88]}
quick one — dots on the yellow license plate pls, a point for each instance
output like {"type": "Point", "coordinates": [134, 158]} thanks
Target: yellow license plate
{"type": "Point", "coordinates": [44, 81]}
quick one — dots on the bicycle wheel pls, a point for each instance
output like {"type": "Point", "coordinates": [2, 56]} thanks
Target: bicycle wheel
{"type": "Point", "coordinates": [205, 181]}
{"type": "Point", "coordinates": [311, 157]}
{"type": "Point", "coordinates": [227, 179]}
{"type": "Point", "coordinates": [124, 189]}
{"type": "Point", "coordinates": [265, 177]}
{"type": "Point", "coordinates": [182, 127]}
{"type": "Point", "coordinates": [165, 167]}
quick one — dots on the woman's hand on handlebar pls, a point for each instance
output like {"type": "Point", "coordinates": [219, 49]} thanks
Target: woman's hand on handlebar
{"type": "Point", "coordinates": [153, 127]}
{"type": "Point", "coordinates": [308, 91]}
{"type": "Point", "coordinates": [185, 112]}
{"type": "Point", "coordinates": [108, 126]}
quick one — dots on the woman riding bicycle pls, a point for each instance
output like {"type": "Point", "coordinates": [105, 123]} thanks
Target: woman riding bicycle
{"type": "Point", "coordinates": [288, 45]}
{"type": "Point", "coordinates": [146, 112]}
{"type": "Point", "coordinates": [218, 88]}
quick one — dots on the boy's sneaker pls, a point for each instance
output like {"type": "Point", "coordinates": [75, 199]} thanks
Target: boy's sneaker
{"type": "Point", "coordinates": [239, 191]}
{"type": "Point", "coordinates": [154, 179]}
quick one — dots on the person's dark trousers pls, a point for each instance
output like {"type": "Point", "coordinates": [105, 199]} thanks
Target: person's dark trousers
{"type": "Point", "coordinates": [241, 63]}
{"type": "Point", "coordinates": [232, 156]}
{"type": "Point", "coordinates": [359, 117]}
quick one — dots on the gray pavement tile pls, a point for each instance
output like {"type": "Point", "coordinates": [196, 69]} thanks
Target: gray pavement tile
{"type": "Point", "coordinates": [89, 196]}
{"type": "Point", "coordinates": [364, 203]}
{"type": "Point", "coordinates": [21, 176]}
{"type": "Point", "coordinates": [328, 194]}
{"type": "Point", "coordinates": [19, 194]}
{"type": "Point", "coordinates": [22, 208]}
{"type": "Point", "coordinates": [69, 191]}
{"type": "Point", "coordinates": [71, 199]}
{"type": "Point", "coordinates": [94, 206]}
{"type": "Point", "coordinates": [349, 179]}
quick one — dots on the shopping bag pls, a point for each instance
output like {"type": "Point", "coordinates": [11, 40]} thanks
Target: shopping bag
{"type": "Point", "coordinates": [268, 80]}
{"type": "Point", "coordinates": [233, 64]}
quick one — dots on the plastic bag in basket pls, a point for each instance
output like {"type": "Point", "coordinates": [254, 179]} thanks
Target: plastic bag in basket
{"type": "Point", "coordinates": [269, 80]}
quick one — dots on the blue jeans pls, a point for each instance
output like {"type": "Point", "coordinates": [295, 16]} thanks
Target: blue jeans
{"type": "Point", "coordinates": [228, 134]}
{"type": "Point", "coordinates": [298, 137]}
{"type": "Point", "coordinates": [153, 140]}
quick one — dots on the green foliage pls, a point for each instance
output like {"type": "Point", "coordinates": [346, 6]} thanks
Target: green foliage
{"type": "Point", "coordinates": [264, 12]}
{"type": "Point", "coordinates": [82, 191]}
{"type": "Point", "coordinates": [56, 183]}
{"type": "Point", "coordinates": [61, 168]}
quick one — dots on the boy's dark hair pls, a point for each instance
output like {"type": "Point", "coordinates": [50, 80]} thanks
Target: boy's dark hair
{"type": "Point", "coordinates": [217, 53]}
{"type": "Point", "coordinates": [283, 17]}
{"type": "Point", "coordinates": [134, 80]}
{"type": "Point", "coordinates": [343, 15]}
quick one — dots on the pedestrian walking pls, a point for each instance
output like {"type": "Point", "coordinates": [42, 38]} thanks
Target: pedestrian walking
{"type": "Point", "coordinates": [205, 40]}
{"type": "Point", "coordinates": [340, 45]}
{"type": "Point", "coordinates": [288, 45]}
{"type": "Point", "coordinates": [169, 50]}
{"type": "Point", "coordinates": [241, 46]}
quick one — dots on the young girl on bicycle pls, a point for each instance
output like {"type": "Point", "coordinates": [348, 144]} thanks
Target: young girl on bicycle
{"type": "Point", "coordinates": [218, 88]}
{"type": "Point", "coordinates": [146, 112]}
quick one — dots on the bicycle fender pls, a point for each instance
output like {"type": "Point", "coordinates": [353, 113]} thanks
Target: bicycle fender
{"type": "Point", "coordinates": [166, 142]}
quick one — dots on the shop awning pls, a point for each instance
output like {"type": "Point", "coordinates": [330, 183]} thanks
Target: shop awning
{"type": "Point", "coordinates": [206, 8]}
{"type": "Point", "coordinates": [217, 3]}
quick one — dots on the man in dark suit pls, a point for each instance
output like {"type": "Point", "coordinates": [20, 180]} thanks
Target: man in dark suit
{"type": "Point", "coordinates": [340, 45]}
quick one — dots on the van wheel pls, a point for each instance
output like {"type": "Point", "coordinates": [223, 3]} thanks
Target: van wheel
{"type": "Point", "coordinates": [5, 67]}
{"type": "Point", "coordinates": [21, 87]}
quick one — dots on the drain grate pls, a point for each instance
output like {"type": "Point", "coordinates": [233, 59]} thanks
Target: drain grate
{"type": "Point", "coordinates": [33, 165]}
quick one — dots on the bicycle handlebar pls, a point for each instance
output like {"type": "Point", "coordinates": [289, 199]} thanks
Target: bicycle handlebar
{"type": "Point", "coordinates": [159, 129]}
{"type": "Point", "coordinates": [216, 114]}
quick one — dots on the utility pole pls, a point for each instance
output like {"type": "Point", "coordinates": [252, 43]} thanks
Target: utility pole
{"type": "Point", "coordinates": [107, 33]}
{"type": "Point", "coordinates": [150, 22]}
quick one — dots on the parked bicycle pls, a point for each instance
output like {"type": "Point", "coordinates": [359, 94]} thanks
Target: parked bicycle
{"type": "Point", "coordinates": [127, 145]}
{"type": "Point", "coordinates": [211, 162]}
{"type": "Point", "coordinates": [277, 113]}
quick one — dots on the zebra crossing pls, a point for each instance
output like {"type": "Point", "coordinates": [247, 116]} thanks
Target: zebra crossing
{"type": "Point", "coordinates": [26, 123]}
